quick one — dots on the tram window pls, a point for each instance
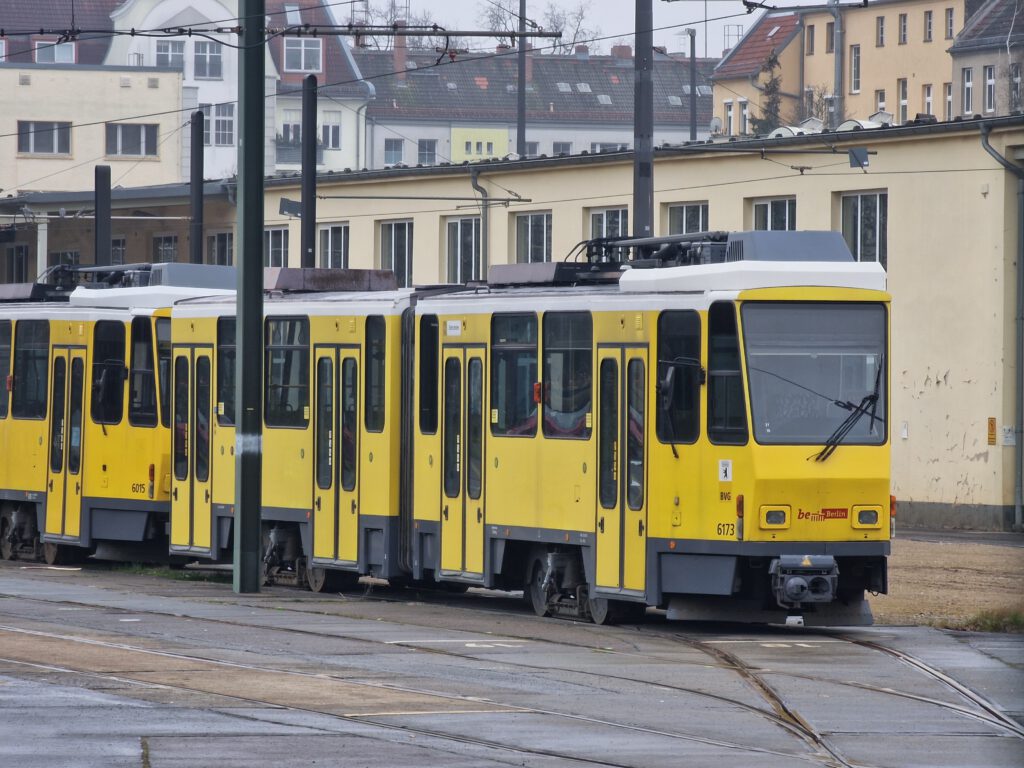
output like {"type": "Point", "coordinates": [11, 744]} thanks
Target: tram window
{"type": "Point", "coordinates": [349, 422]}
{"type": "Point", "coordinates": [475, 428]}
{"type": "Point", "coordinates": [635, 424]}
{"type": "Point", "coordinates": [513, 373]}
{"type": "Point", "coordinates": [727, 411]}
{"type": "Point", "coordinates": [31, 361]}
{"type": "Point", "coordinates": [452, 427]}
{"type": "Point", "coordinates": [374, 387]}
{"type": "Point", "coordinates": [57, 422]}
{"type": "Point", "coordinates": [75, 415]}
{"type": "Point", "coordinates": [108, 372]}
{"type": "Point", "coordinates": [428, 374]}
{"type": "Point", "coordinates": [287, 372]}
{"type": "Point", "coordinates": [202, 407]}
{"type": "Point", "coordinates": [679, 352]}
{"type": "Point", "coordinates": [226, 371]}
{"type": "Point", "coordinates": [181, 418]}
{"type": "Point", "coordinates": [142, 383]}
{"type": "Point", "coordinates": [568, 366]}
{"type": "Point", "coordinates": [608, 426]}
{"type": "Point", "coordinates": [324, 421]}
{"type": "Point", "coordinates": [163, 359]}
{"type": "Point", "coordinates": [5, 364]}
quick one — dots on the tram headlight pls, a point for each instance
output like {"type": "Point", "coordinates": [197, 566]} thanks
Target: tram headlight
{"type": "Point", "coordinates": [867, 517]}
{"type": "Point", "coordinates": [775, 516]}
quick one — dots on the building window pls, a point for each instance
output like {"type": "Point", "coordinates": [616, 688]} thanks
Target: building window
{"type": "Point", "coordinates": [605, 146]}
{"type": "Point", "coordinates": [208, 62]}
{"type": "Point", "coordinates": [902, 31]}
{"type": "Point", "coordinates": [302, 54]}
{"type": "Point", "coordinates": [286, 372]}
{"type": "Point", "coordinates": [880, 31]}
{"type": "Point", "coordinates": [1014, 86]}
{"type": "Point", "coordinates": [334, 246]}
{"type": "Point", "coordinates": [513, 374]}
{"type": "Point", "coordinates": [490, 148]}
{"type": "Point", "coordinates": [291, 128]}
{"type": "Point", "coordinates": [728, 118]}
{"type": "Point", "coordinates": [132, 139]}
{"type": "Point", "coordinates": [990, 88]}
{"type": "Point", "coordinates": [927, 26]}
{"type": "Point", "coordinates": [901, 93]}
{"type": "Point", "coordinates": [949, 23]}
{"type": "Point", "coordinates": [16, 269]}
{"type": "Point", "coordinates": [927, 100]}
{"type": "Point", "coordinates": [275, 247]}
{"type": "Point", "coordinates": [865, 218]}
{"type": "Point", "coordinates": [118, 250]}
{"type": "Point", "coordinates": [947, 89]}
{"type": "Point", "coordinates": [880, 100]}
{"type": "Point", "coordinates": [44, 138]}
{"type": "Point", "coordinates": [170, 53]}
{"type": "Point", "coordinates": [68, 258]}
{"type": "Point", "coordinates": [224, 125]}
{"type": "Point", "coordinates": [744, 117]}
{"type": "Point", "coordinates": [533, 237]}
{"type": "Point", "coordinates": [830, 37]}
{"type": "Point", "coordinates": [687, 218]}
{"type": "Point", "coordinates": [220, 249]}
{"type": "Point", "coordinates": [52, 52]}
{"type": "Point", "coordinates": [3, 55]}
{"type": "Point", "coordinates": [854, 69]}
{"type": "Point", "coordinates": [776, 214]}
{"type": "Point", "coordinates": [165, 248]}
{"type": "Point", "coordinates": [968, 94]}
{"type": "Point", "coordinates": [561, 148]}
{"type": "Point", "coordinates": [330, 131]}
{"type": "Point", "coordinates": [464, 249]}
{"type": "Point", "coordinates": [207, 110]}
{"type": "Point", "coordinates": [568, 374]}
{"type": "Point", "coordinates": [396, 250]}
{"type": "Point", "coordinates": [426, 151]}
{"type": "Point", "coordinates": [532, 148]}
{"type": "Point", "coordinates": [809, 38]}
{"type": "Point", "coordinates": [609, 222]}
{"type": "Point", "coordinates": [393, 151]}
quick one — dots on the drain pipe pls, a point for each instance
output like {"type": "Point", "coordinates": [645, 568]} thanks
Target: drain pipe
{"type": "Point", "coordinates": [485, 210]}
{"type": "Point", "coordinates": [1018, 425]}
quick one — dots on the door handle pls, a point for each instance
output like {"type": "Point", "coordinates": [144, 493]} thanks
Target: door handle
{"type": "Point", "coordinates": [317, 503]}
{"type": "Point", "coordinates": [640, 531]}
{"type": "Point", "coordinates": [174, 494]}
{"type": "Point", "coordinates": [78, 487]}
{"type": "Point", "coordinates": [445, 513]}
{"type": "Point", "coordinates": [206, 496]}
{"type": "Point", "coordinates": [50, 485]}
{"type": "Point", "coordinates": [353, 506]}
{"type": "Point", "coordinates": [479, 515]}
{"type": "Point", "coordinates": [600, 525]}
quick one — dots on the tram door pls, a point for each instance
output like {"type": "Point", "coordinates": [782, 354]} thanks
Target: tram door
{"type": "Point", "coordinates": [336, 495]}
{"type": "Point", "coordinates": [462, 462]}
{"type": "Point", "coordinates": [622, 468]}
{"type": "Point", "coordinates": [191, 487]}
{"type": "Point", "coordinates": [64, 484]}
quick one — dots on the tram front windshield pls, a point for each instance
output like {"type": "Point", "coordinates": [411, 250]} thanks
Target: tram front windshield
{"type": "Point", "coordinates": [815, 367]}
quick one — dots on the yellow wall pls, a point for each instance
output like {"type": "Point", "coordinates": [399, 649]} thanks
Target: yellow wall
{"type": "Point", "coordinates": [496, 138]}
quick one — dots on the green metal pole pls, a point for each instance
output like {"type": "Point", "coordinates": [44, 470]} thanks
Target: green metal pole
{"type": "Point", "coordinates": [249, 323]}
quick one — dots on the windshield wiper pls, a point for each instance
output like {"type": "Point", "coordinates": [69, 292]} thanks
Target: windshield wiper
{"type": "Point", "coordinates": [846, 405]}
{"type": "Point", "coordinates": [868, 402]}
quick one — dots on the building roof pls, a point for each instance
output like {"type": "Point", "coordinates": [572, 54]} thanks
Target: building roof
{"type": "Point", "coordinates": [340, 76]}
{"type": "Point", "coordinates": [772, 32]}
{"type": "Point", "coordinates": [22, 20]}
{"type": "Point", "coordinates": [996, 24]}
{"type": "Point", "coordinates": [560, 89]}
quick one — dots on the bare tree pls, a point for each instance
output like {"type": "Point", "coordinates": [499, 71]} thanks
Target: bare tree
{"type": "Point", "coordinates": [386, 13]}
{"type": "Point", "coordinates": [817, 102]}
{"type": "Point", "coordinates": [572, 24]}
{"type": "Point", "coordinates": [500, 17]}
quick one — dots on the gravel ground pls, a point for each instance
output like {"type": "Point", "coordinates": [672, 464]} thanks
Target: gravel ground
{"type": "Point", "coordinates": [940, 582]}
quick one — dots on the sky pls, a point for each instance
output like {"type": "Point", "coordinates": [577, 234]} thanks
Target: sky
{"type": "Point", "coordinates": [615, 19]}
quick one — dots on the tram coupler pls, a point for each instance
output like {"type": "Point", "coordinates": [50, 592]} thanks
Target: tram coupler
{"type": "Point", "coordinates": [799, 579]}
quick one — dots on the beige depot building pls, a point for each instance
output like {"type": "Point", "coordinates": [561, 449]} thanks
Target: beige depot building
{"type": "Point", "coordinates": [939, 205]}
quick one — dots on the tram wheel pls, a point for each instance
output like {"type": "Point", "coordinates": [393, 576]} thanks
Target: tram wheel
{"type": "Point", "coordinates": [6, 547]}
{"type": "Point", "coordinates": [607, 612]}
{"type": "Point", "coordinates": [535, 593]}
{"type": "Point", "coordinates": [329, 579]}
{"type": "Point", "coordinates": [57, 554]}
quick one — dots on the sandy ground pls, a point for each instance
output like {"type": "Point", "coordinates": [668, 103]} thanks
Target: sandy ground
{"type": "Point", "coordinates": [946, 582]}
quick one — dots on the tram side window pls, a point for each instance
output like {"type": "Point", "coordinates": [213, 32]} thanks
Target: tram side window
{"type": "Point", "coordinates": [108, 372]}
{"type": "Point", "coordinates": [31, 360]}
{"type": "Point", "coordinates": [142, 387]}
{"type": "Point", "coordinates": [428, 374]}
{"type": "Point", "coordinates": [374, 386]}
{"type": "Point", "coordinates": [5, 364]}
{"type": "Point", "coordinates": [163, 359]}
{"type": "Point", "coordinates": [226, 371]}
{"type": "Point", "coordinates": [679, 369]}
{"type": "Point", "coordinates": [287, 372]}
{"type": "Point", "coordinates": [727, 414]}
{"type": "Point", "coordinates": [568, 375]}
{"type": "Point", "coordinates": [513, 373]}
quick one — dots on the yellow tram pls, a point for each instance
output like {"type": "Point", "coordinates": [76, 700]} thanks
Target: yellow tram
{"type": "Point", "coordinates": [705, 430]}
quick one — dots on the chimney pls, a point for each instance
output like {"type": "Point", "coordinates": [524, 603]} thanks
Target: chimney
{"type": "Point", "coordinates": [399, 51]}
{"type": "Point", "coordinates": [622, 52]}
{"type": "Point", "coordinates": [582, 52]}
{"type": "Point", "coordinates": [529, 60]}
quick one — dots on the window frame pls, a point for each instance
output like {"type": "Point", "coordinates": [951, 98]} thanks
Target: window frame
{"type": "Point", "coordinates": [55, 48]}
{"type": "Point", "coordinates": [455, 242]}
{"type": "Point", "coordinates": [388, 251]}
{"type": "Point", "coordinates": [300, 350]}
{"type": "Point", "coordinates": [281, 249]}
{"type": "Point", "coordinates": [526, 225]}
{"type": "Point", "coordinates": [394, 151]}
{"type": "Point", "coordinates": [901, 29]}
{"type": "Point", "coordinates": [164, 244]}
{"type": "Point", "coordinates": [989, 78]}
{"type": "Point", "coordinates": [950, 23]}
{"type": "Point", "coordinates": [429, 374]}
{"type": "Point", "coordinates": [769, 204]}
{"type": "Point", "coordinates": [854, 238]}
{"type": "Point", "coordinates": [426, 151]}
{"type": "Point", "coordinates": [327, 234]}
{"type": "Point", "coordinates": [967, 91]}
{"type": "Point", "coordinates": [31, 349]}
{"type": "Point", "coordinates": [928, 26]}
{"type": "Point", "coordinates": [375, 374]}
{"type": "Point", "coordinates": [227, 356]}
{"type": "Point", "coordinates": [101, 409]}
{"type": "Point", "coordinates": [177, 51]}
{"type": "Point", "coordinates": [6, 349]}
{"type": "Point", "coordinates": [210, 52]}
{"type": "Point", "coordinates": [223, 125]}
{"type": "Point", "coordinates": [517, 351]}
{"type": "Point", "coordinates": [855, 68]}
{"type": "Point", "coordinates": [879, 31]}
{"type": "Point", "coordinates": [216, 245]}
{"type": "Point", "coordinates": [61, 132]}
{"type": "Point", "coordinates": [681, 212]}
{"type": "Point", "coordinates": [714, 433]}
{"type": "Point", "coordinates": [142, 344]}
{"type": "Point", "coordinates": [809, 40]}
{"type": "Point", "coordinates": [667, 430]}
{"type": "Point", "coordinates": [305, 47]}
{"type": "Point", "coordinates": [115, 137]}
{"type": "Point", "coordinates": [547, 345]}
